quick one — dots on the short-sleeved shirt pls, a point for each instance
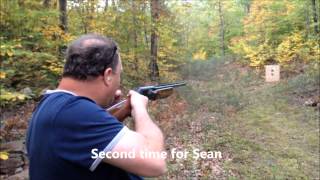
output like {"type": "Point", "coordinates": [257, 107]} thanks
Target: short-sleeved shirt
{"type": "Point", "coordinates": [62, 132]}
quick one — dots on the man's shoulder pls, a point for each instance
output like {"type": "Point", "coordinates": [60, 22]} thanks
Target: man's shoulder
{"type": "Point", "coordinates": [66, 101]}
{"type": "Point", "coordinates": [77, 108]}
{"type": "Point", "coordinates": [65, 106]}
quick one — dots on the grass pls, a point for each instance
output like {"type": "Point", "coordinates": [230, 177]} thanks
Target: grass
{"type": "Point", "coordinates": [260, 128]}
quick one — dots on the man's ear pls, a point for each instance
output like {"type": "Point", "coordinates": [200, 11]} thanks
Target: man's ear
{"type": "Point", "coordinates": [107, 76]}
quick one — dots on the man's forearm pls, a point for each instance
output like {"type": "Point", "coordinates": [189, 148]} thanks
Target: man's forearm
{"type": "Point", "coordinates": [145, 126]}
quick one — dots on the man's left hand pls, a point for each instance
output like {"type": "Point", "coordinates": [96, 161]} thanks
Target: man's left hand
{"type": "Point", "coordinates": [124, 111]}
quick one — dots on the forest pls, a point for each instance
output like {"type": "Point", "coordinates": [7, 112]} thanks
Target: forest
{"type": "Point", "coordinates": [219, 47]}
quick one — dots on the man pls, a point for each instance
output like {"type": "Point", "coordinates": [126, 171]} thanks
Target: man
{"type": "Point", "coordinates": [70, 123]}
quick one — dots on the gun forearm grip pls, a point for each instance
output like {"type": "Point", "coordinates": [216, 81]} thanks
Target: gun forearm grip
{"type": "Point", "coordinates": [116, 106]}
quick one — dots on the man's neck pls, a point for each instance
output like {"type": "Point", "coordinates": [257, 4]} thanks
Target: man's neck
{"type": "Point", "coordinates": [81, 88]}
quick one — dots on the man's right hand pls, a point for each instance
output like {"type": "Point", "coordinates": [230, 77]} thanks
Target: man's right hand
{"type": "Point", "coordinates": [138, 103]}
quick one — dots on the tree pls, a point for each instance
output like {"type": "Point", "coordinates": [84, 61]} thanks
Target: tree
{"type": "Point", "coordinates": [273, 32]}
{"type": "Point", "coordinates": [46, 3]}
{"type": "Point", "coordinates": [154, 69]}
{"type": "Point", "coordinates": [315, 16]}
{"type": "Point", "coordinates": [63, 15]}
{"type": "Point", "coordinates": [145, 26]}
{"type": "Point", "coordinates": [222, 29]}
{"type": "Point", "coordinates": [106, 4]}
{"type": "Point", "coordinates": [135, 35]}
{"type": "Point", "coordinates": [246, 4]}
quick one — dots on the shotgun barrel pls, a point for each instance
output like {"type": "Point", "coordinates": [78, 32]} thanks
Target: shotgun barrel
{"type": "Point", "coordinates": [152, 92]}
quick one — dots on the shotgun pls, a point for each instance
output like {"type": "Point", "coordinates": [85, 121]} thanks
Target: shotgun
{"type": "Point", "coordinates": [152, 92]}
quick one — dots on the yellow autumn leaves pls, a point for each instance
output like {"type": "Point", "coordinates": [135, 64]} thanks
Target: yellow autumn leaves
{"type": "Point", "coordinates": [7, 50]}
{"type": "Point", "coordinates": [4, 155]}
{"type": "Point", "coordinates": [273, 33]}
{"type": "Point", "coordinates": [295, 47]}
{"type": "Point", "coordinates": [200, 55]}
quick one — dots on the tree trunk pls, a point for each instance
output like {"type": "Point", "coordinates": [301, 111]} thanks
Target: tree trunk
{"type": "Point", "coordinates": [46, 3]}
{"type": "Point", "coordinates": [248, 8]}
{"type": "Point", "coordinates": [114, 5]}
{"type": "Point", "coordinates": [92, 8]}
{"type": "Point", "coordinates": [145, 27]}
{"type": "Point", "coordinates": [315, 16]}
{"type": "Point", "coordinates": [81, 14]}
{"type": "Point", "coordinates": [154, 69]}
{"type": "Point", "coordinates": [145, 33]}
{"type": "Point", "coordinates": [106, 5]}
{"type": "Point", "coordinates": [246, 5]}
{"type": "Point", "coordinates": [63, 15]}
{"type": "Point", "coordinates": [307, 16]}
{"type": "Point", "coordinates": [135, 35]}
{"type": "Point", "coordinates": [90, 11]}
{"type": "Point", "coordinates": [222, 30]}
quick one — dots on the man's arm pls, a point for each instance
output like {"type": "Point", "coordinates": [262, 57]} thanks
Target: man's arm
{"type": "Point", "coordinates": [147, 137]}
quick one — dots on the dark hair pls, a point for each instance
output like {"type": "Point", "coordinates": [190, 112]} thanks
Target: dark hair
{"type": "Point", "coordinates": [90, 56]}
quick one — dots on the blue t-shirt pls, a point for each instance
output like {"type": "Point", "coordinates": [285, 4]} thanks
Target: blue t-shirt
{"type": "Point", "coordinates": [63, 130]}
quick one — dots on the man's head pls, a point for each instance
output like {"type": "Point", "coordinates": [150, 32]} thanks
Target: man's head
{"type": "Point", "coordinates": [94, 59]}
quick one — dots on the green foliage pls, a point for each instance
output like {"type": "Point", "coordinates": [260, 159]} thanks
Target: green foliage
{"type": "Point", "coordinates": [302, 84]}
{"type": "Point", "coordinates": [9, 98]}
{"type": "Point", "coordinates": [30, 46]}
{"type": "Point", "coordinates": [276, 32]}
{"type": "Point", "coordinates": [295, 47]}
{"type": "Point", "coordinates": [32, 43]}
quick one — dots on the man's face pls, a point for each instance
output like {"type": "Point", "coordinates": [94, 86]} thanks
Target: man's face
{"type": "Point", "coordinates": [116, 79]}
{"type": "Point", "coordinates": [117, 75]}
{"type": "Point", "coordinates": [112, 78]}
